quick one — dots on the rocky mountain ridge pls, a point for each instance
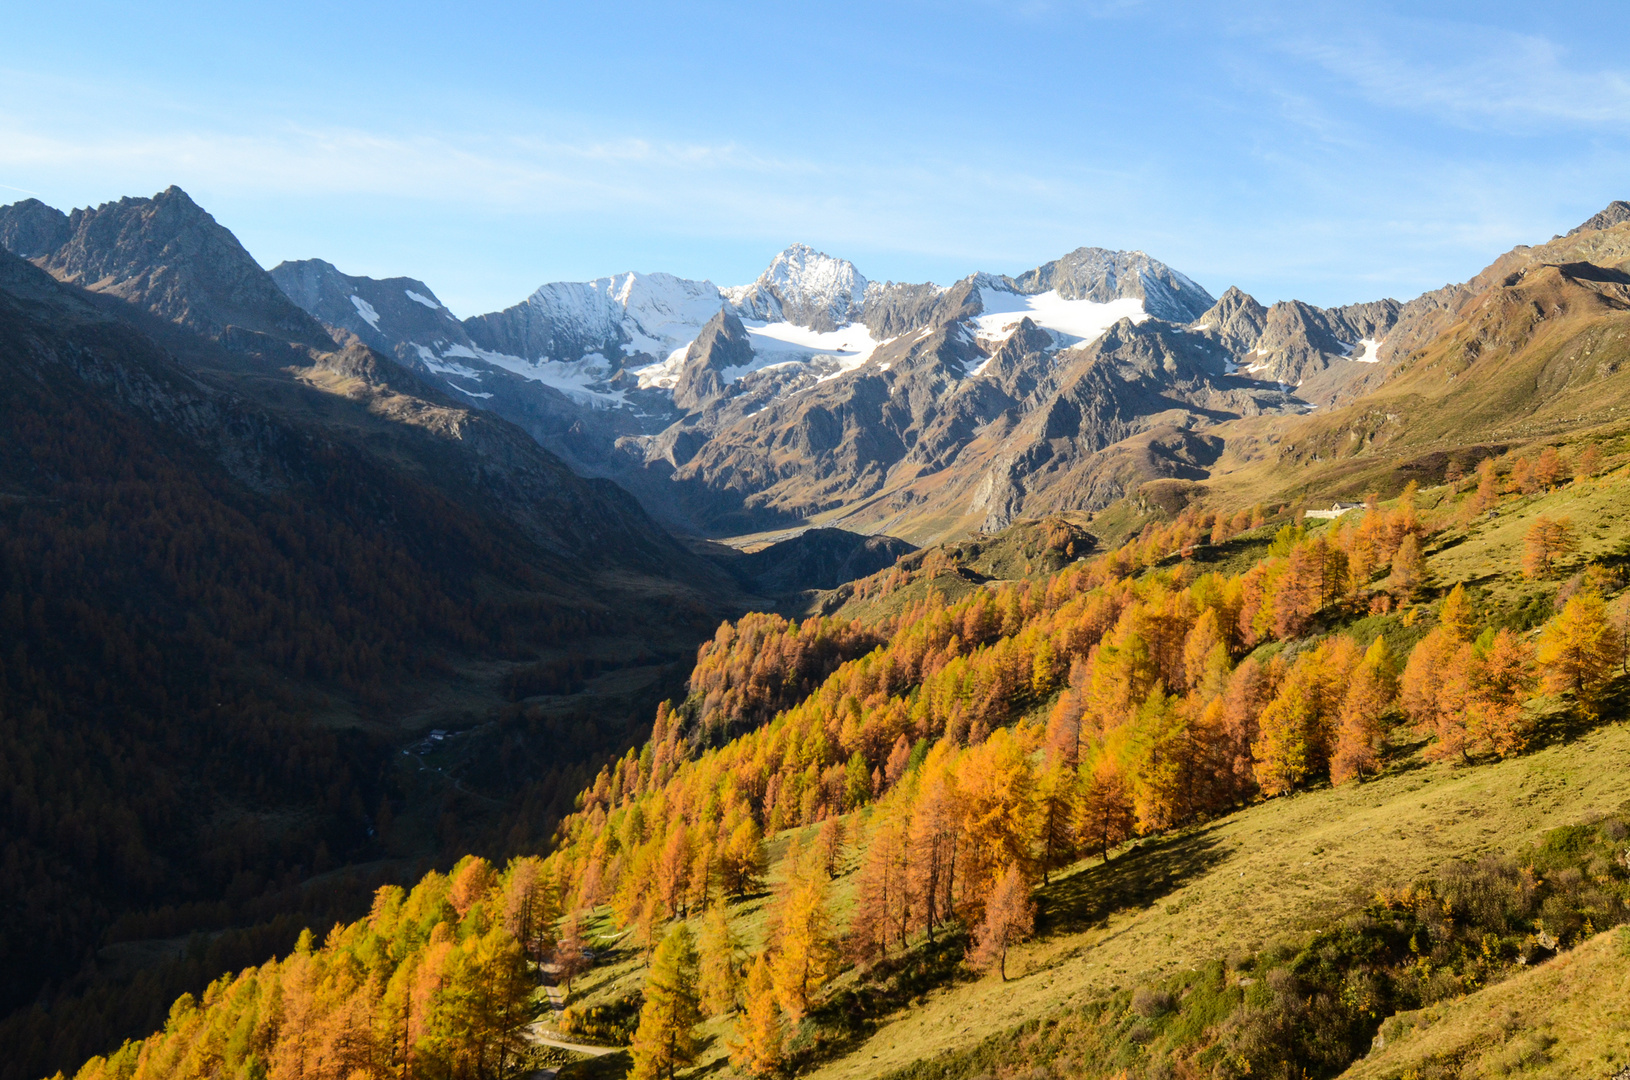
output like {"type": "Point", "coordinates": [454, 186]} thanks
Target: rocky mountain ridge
{"type": "Point", "coordinates": [813, 395]}
{"type": "Point", "coordinates": [687, 413]}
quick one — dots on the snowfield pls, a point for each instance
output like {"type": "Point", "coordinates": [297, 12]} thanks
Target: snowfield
{"type": "Point", "coordinates": [776, 344]}
{"type": "Point", "coordinates": [577, 379]}
{"type": "Point", "coordinates": [1071, 322]}
{"type": "Point", "coordinates": [655, 312]}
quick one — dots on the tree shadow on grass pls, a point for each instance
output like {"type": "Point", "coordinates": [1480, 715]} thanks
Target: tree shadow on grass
{"type": "Point", "coordinates": [1144, 873]}
{"type": "Point", "coordinates": [717, 1065]}
{"type": "Point", "coordinates": [1574, 719]}
{"type": "Point", "coordinates": [848, 1017]}
{"type": "Point", "coordinates": [605, 1067]}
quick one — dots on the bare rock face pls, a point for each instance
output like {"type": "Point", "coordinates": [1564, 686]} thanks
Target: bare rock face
{"type": "Point", "coordinates": [722, 344]}
{"type": "Point", "coordinates": [1236, 320]}
{"type": "Point", "coordinates": [1019, 363]}
{"type": "Point", "coordinates": [776, 460]}
{"type": "Point", "coordinates": [895, 309]}
{"type": "Point", "coordinates": [169, 256]}
{"type": "Point", "coordinates": [1151, 381]}
{"type": "Point", "coordinates": [1323, 353]}
{"type": "Point", "coordinates": [1616, 212]}
{"type": "Point", "coordinates": [388, 314]}
{"type": "Point", "coordinates": [31, 229]}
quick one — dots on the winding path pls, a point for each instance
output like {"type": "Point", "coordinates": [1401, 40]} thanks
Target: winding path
{"type": "Point", "coordinates": [537, 1036]}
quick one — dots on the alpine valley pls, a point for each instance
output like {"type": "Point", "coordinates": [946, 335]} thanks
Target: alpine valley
{"type": "Point", "coordinates": [1063, 673]}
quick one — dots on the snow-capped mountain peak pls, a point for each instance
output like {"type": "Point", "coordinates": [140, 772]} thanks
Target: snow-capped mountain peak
{"type": "Point", "coordinates": [652, 314]}
{"type": "Point", "coordinates": [805, 287]}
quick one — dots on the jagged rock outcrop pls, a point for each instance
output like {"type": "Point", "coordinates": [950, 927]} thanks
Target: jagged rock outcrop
{"type": "Point", "coordinates": [1322, 353]}
{"type": "Point", "coordinates": [1236, 321]}
{"type": "Point", "coordinates": [723, 344]}
{"type": "Point", "coordinates": [784, 457]}
{"type": "Point", "coordinates": [167, 255]}
{"type": "Point", "coordinates": [1020, 363]}
{"type": "Point", "coordinates": [30, 228]}
{"type": "Point", "coordinates": [893, 309]}
{"type": "Point", "coordinates": [1616, 212]}
{"type": "Point", "coordinates": [1150, 379]}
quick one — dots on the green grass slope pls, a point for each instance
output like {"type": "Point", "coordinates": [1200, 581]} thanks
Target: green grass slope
{"type": "Point", "coordinates": [1276, 871]}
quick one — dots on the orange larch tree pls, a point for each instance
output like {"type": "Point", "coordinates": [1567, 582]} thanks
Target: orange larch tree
{"type": "Point", "coordinates": [1009, 917]}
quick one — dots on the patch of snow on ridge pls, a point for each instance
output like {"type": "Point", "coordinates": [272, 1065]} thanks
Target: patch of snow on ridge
{"type": "Point", "coordinates": [425, 300]}
{"type": "Point", "coordinates": [577, 379]}
{"type": "Point", "coordinates": [444, 367]}
{"type": "Point", "coordinates": [366, 310]}
{"type": "Point", "coordinates": [664, 373]}
{"type": "Point", "coordinates": [662, 310]}
{"type": "Point", "coordinates": [1076, 321]}
{"type": "Point", "coordinates": [1369, 351]}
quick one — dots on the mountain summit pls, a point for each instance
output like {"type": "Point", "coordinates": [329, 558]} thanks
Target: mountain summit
{"type": "Point", "coordinates": [1616, 212]}
{"type": "Point", "coordinates": [167, 255]}
{"type": "Point", "coordinates": [804, 287]}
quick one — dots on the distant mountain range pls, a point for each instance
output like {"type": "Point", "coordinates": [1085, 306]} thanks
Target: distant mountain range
{"type": "Point", "coordinates": [811, 396]}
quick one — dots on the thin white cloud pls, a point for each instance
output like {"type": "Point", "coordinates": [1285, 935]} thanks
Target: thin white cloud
{"type": "Point", "coordinates": [721, 188]}
{"type": "Point", "coordinates": [1476, 77]}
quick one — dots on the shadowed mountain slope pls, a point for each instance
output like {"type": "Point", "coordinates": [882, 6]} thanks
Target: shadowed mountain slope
{"type": "Point", "coordinates": [242, 566]}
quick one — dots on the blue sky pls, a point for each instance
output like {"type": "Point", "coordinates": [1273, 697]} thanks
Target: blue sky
{"type": "Point", "coordinates": [1332, 153]}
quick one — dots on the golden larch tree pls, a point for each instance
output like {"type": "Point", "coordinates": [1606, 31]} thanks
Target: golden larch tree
{"type": "Point", "coordinates": [806, 955]}
{"type": "Point", "coordinates": [757, 1049]}
{"type": "Point", "coordinates": [1360, 726]}
{"type": "Point", "coordinates": [1579, 649]}
{"type": "Point", "coordinates": [720, 969]}
{"type": "Point", "coordinates": [1547, 541]}
{"type": "Point", "coordinates": [665, 1040]}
